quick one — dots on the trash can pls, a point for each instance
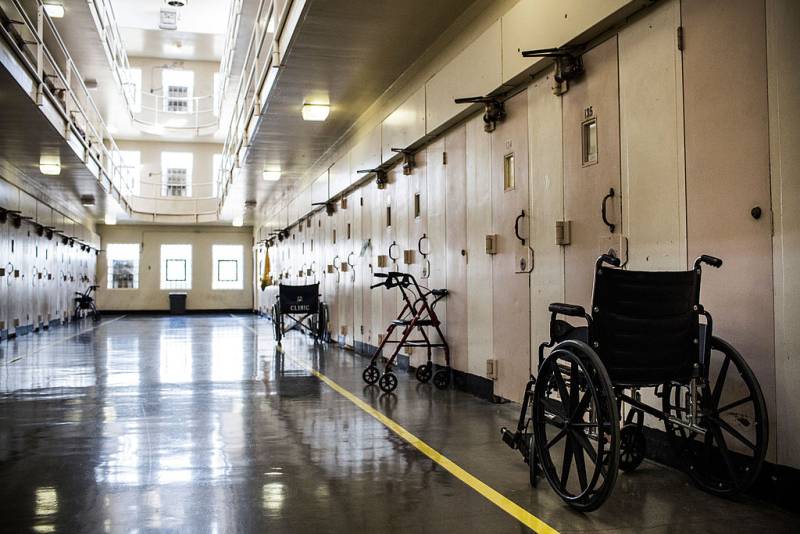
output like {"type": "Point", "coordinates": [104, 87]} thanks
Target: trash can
{"type": "Point", "coordinates": [177, 303]}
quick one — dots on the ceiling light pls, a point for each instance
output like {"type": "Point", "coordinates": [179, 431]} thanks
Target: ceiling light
{"type": "Point", "coordinates": [238, 221]}
{"type": "Point", "coordinates": [271, 175]}
{"type": "Point", "coordinates": [50, 169]}
{"type": "Point", "coordinates": [110, 219]}
{"type": "Point", "coordinates": [315, 112]}
{"type": "Point", "coordinates": [54, 9]}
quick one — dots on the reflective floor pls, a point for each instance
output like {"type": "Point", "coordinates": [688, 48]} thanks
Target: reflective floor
{"type": "Point", "coordinates": [197, 424]}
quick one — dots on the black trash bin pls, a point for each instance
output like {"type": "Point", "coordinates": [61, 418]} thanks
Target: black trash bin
{"type": "Point", "coordinates": [177, 303]}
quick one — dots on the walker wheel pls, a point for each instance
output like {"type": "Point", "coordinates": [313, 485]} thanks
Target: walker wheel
{"type": "Point", "coordinates": [388, 382]}
{"type": "Point", "coordinates": [442, 379]}
{"type": "Point", "coordinates": [371, 374]}
{"type": "Point", "coordinates": [632, 447]}
{"type": "Point", "coordinates": [424, 372]}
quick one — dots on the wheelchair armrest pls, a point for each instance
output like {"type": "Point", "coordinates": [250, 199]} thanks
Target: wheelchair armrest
{"type": "Point", "coordinates": [708, 260]}
{"type": "Point", "coordinates": [570, 310]}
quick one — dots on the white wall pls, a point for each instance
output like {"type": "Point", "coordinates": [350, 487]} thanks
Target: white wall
{"type": "Point", "coordinates": [149, 296]}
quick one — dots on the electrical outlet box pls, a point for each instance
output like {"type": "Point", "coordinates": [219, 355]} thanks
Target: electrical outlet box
{"type": "Point", "coordinates": [408, 256]}
{"type": "Point", "coordinates": [491, 244]}
{"type": "Point", "coordinates": [491, 368]}
{"type": "Point", "coordinates": [563, 232]}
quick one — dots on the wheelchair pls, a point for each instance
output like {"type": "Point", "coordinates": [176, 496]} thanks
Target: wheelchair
{"type": "Point", "coordinates": [85, 301]}
{"type": "Point", "coordinates": [644, 331]}
{"type": "Point", "coordinates": [302, 306]}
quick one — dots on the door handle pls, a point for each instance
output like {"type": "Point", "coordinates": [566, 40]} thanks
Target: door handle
{"type": "Point", "coordinates": [393, 258]}
{"type": "Point", "coordinates": [516, 226]}
{"type": "Point", "coordinates": [611, 226]}
{"type": "Point", "coordinates": [419, 245]}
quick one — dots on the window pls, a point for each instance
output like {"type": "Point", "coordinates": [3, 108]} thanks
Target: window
{"type": "Point", "coordinates": [135, 89]}
{"type": "Point", "coordinates": [129, 163]}
{"type": "Point", "coordinates": [123, 265]}
{"type": "Point", "coordinates": [508, 172]}
{"type": "Point", "coordinates": [216, 175]}
{"type": "Point", "coordinates": [178, 89]}
{"type": "Point", "coordinates": [227, 267]}
{"type": "Point", "coordinates": [589, 141]}
{"type": "Point", "coordinates": [176, 174]}
{"type": "Point", "coordinates": [176, 266]}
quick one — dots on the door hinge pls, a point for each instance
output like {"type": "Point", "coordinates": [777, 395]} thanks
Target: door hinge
{"type": "Point", "coordinates": [444, 158]}
{"type": "Point", "coordinates": [680, 38]}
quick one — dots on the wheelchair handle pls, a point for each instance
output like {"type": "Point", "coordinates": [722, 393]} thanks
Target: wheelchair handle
{"type": "Point", "coordinates": [708, 260]}
{"type": "Point", "coordinates": [608, 258]}
{"type": "Point", "coordinates": [611, 226]}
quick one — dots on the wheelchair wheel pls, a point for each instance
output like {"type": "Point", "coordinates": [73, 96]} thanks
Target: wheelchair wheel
{"type": "Point", "coordinates": [441, 378]}
{"type": "Point", "coordinates": [632, 447]}
{"type": "Point", "coordinates": [727, 458]}
{"type": "Point", "coordinates": [424, 372]}
{"type": "Point", "coordinates": [388, 382]}
{"type": "Point", "coordinates": [322, 322]}
{"type": "Point", "coordinates": [371, 375]}
{"type": "Point", "coordinates": [576, 426]}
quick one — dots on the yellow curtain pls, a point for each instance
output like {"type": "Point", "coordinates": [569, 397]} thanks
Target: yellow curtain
{"type": "Point", "coordinates": [266, 279]}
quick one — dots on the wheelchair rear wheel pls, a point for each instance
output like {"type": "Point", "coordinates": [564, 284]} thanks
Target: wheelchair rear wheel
{"type": "Point", "coordinates": [727, 459]}
{"type": "Point", "coordinates": [576, 426]}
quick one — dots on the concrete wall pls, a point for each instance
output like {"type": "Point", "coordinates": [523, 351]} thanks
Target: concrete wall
{"type": "Point", "coordinates": [149, 296]}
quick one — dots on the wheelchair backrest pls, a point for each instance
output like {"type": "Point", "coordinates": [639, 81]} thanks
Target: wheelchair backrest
{"type": "Point", "coordinates": [299, 299]}
{"type": "Point", "coordinates": [646, 324]}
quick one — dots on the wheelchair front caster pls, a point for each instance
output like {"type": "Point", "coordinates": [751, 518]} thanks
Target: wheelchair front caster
{"type": "Point", "coordinates": [424, 372]}
{"type": "Point", "coordinates": [632, 447]}
{"type": "Point", "coordinates": [388, 382]}
{"type": "Point", "coordinates": [371, 375]}
{"type": "Point", "coordinates": [442, 379]}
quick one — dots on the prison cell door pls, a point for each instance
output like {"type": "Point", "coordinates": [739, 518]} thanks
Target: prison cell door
{"type": "Point", "coordinates": [437, 221]}
{"type": "Point", "coordinates": [347, 265]}
{"type": "Point", "coordinates": [592, 170]}
{"type": "Point", "coordinates": [547, 205]}
{"type": "Point", "coordinates": [456, 241]}
{"type": "Point", "coordinates": [357, 271]}
{"type": "Point", "coordinates": [727, 176]}
{"type": "Point", "coordinates": [513, 261]}
{"type": "Point", "coordinates": [417, 231]}
{"type": "Point", "coordinates": [373, 298]}
{"type": "Point", "coordinates": [5, 276]}
{"type": "Point", "coordinates": [392, 248]}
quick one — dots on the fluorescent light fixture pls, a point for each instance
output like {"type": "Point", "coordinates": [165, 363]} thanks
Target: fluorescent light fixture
{"type": "Point", "coordinates": [271, 175]}
{"type": "Point", "coordinates": [110, 219]}
{"type": "Point", "coordinates": [315, 112]}
{"type": "Point", "coordinates": [50, 169]}
{"type": "Point", "coordinates": [54, 9]}
{"type": "Point", "coordinates": [50, 165]}
{"type": "Point", "coordinates": [238, 221]}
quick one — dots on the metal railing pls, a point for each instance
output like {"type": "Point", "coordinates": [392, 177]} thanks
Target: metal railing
{"type": "Point", "coordinates": [58, 79]}
{"type": "Point", "coordinates": [153, 114]}
{"type": "Point", "coordinates": [262, 55]}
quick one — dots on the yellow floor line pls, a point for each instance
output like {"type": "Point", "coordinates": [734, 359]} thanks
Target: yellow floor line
{"type": "Point", "coordinates": [489, 493]}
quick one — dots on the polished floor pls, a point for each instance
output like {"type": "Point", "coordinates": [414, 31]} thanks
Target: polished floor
{"type": "Point", "coordinates": [198, 424]}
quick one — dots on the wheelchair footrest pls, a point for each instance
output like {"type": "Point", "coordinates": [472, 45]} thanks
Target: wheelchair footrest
{"type": "Point", "coordinates": [510, 438]}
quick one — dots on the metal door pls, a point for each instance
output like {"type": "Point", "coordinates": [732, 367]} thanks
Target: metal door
{"type": "Point", "coordinates": [456, 246]}
{"type": "Point", "coordinates": [727, 174]}
{"type": "Point", "coordinates": [436, 179]}
{"type": "Point", "coordinates": [392, 247]}
{"type": "Point", "coordinates": [417, 231]}
{"type": "Point", "coordinates": [592, 169]}
{"type": "Point", "coordinates": [514, 259]}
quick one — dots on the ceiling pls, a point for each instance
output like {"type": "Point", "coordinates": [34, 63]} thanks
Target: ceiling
{"type": "Point", "coordinates": [197, 16]}
{"type": "Point", "coordinates": [349, 51]}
